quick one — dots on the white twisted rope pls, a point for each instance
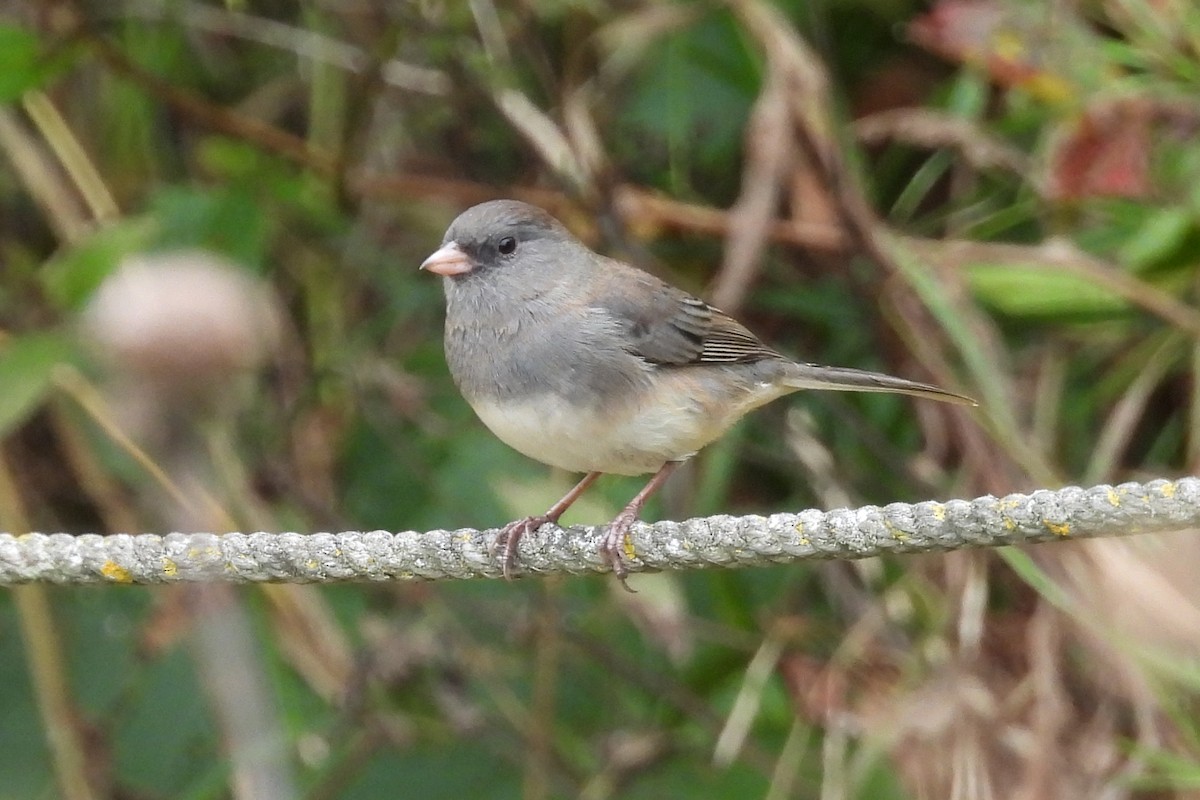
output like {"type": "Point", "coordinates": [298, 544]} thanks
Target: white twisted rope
{"type": "Point", "coordinates": [721, 541]}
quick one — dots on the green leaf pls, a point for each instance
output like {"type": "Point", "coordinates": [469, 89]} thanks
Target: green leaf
{"type": "Point", "coordinates": [1167, 770]}
{"type": "Point", "coordinates": [1028, 290]}
{"type": "Point", "coordinates": [228, 221]}
{"type": "Point", "coordinates": [26, 366]}
{"type": "Point", "coordinates": [1161, 236]}
{"type": "Point", "coordinates": [24, 63]}
{"type": "Point", "coordinates": [70, 277]}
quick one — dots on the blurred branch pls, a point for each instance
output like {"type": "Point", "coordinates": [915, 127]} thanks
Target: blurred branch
{"type": "Point", "coordinates": [1149, 366]}
{"type": "Point", "coordinates": [208, 114]}
{"type": "Point", "coordinates": [235, 679]}
{"type": "Point", "coordinates": [648, 208]}
{"type": "Point", "coordinates": [303, 43]}
{"type": "Point", "coordinates": [47, 664]}
{"type": "Point", "coordinates": [544, 135]}
{"type": "Point", "coordinates": [568, 152]}
{"type": "Point", "coordinates": [770, 158]}
{"type": "Point", "coordinates": [1066, 514]}
{"type": "Point", "coordinates": [636, 205]}
{"type": "Point", "coordinates": [942, 315]}
{"type": "Point", "coordinates": [933, 129]}
{"type": "Point", "coordinates": [72, 155]}
{"type": "Point", "coordinates": [807, 89]}
{"type": "Point", "coordinates": [42, 178]}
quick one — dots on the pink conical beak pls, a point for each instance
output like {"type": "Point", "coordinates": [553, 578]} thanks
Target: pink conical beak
{"type": "Point", "coordinates": [449, 260]}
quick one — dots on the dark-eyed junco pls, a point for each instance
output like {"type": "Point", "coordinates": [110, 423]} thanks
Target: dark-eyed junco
{"type": "Point", "coordinates": [586, 363]}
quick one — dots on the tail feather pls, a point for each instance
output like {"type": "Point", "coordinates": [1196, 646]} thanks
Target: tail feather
{"type": "Point", "coordinates": [846, 379]}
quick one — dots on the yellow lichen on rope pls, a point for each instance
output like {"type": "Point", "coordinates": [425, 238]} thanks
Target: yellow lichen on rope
{"type": "Point", "coordinates": [720, 541]}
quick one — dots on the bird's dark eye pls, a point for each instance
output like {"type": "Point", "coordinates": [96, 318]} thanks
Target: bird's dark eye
{"type": "Point", "coordinates": [507, 246]}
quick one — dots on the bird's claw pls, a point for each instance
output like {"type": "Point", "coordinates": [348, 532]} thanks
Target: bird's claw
{"type": "Point", "coordinates": [510, 536]}
{"type": "Point", "coordinates": [612, 547]}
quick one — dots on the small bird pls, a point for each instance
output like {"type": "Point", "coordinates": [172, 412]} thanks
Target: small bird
{"type": "Point", "coordinates": [591, 365]}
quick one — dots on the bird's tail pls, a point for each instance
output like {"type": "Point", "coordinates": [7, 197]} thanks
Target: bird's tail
{"type": "Point", "coordinates": [845, 379]}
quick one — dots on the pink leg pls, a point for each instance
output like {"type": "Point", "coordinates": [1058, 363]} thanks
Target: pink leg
{"type": "Point", "coordinates": [612, 548]}
{"type": "Point", "coordinates": [510, 535]}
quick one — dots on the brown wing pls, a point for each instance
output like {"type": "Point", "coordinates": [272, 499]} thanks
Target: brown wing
{"type": "Point", "coordinates": [668, 326]}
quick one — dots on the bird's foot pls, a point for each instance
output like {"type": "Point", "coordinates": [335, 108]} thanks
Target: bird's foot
{"type": "Point", "coordinates": [612, 546]}
{"type": "Point", "coordinates": [510, 536]}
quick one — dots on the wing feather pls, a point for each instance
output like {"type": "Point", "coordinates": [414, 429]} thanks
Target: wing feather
{"type": "Point", "coordinates": [668, 326]}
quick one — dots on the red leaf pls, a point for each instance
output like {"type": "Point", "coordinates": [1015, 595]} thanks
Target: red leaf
{"type": "Point", "coordinates": [1104, 153]}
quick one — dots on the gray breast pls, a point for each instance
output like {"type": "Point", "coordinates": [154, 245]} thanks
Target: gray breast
{"type": "Point", "coordinates": [535, 347]}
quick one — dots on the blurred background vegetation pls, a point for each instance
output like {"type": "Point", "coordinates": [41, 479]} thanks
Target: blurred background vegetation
{"type": "Point", "coordinates": [211, 318]}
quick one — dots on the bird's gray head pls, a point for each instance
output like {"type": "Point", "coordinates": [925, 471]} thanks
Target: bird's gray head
{"type": "Point", "coordinates": [497, 235]}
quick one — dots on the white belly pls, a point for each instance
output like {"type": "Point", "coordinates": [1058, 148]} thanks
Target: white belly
{"type": "Point", "coordinates": [634, 439]}
{"type": "Point", "coordinates": [631, 442]}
